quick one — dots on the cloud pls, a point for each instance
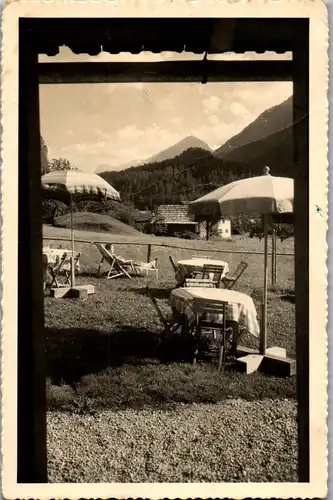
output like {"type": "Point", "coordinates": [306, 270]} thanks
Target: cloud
{"type": "Point", "coordinates": [211, 104]}
{"type": "Point", "coordinates": [116, 124]}
{"type": "Point", "coordinates": [214, 119]}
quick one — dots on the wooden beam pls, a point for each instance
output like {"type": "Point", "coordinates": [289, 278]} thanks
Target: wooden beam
{"type": "Point", "coordinates": [301, 222]}
{"type": "Point", "coordinates": [177, 71]}
{"type": "Point", "coordinates": [31, 419]}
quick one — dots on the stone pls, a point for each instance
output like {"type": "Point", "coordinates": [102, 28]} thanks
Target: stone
{"type": "Point", "coordinates": [249, 364]}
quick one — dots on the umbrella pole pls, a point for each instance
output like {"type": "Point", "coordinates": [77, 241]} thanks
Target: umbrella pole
{"type": "Point", "coordinates": [263, 333]}
{"type": "Point", "coordinates": [72, 237]}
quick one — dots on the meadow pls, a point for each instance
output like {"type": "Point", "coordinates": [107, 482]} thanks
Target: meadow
{"type": "Point", "coordinates": [110, 373]}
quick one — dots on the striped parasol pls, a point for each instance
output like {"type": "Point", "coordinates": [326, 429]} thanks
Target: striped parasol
{"type": "Point", "coordinates": [77, 183]}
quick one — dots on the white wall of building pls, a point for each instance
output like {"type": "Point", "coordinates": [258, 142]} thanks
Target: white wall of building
{"type": "Point", "coordinates": [223, 227]}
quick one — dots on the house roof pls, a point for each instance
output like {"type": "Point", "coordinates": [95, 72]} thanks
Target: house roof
{"type": "Point", "coordinates": [174, 214]}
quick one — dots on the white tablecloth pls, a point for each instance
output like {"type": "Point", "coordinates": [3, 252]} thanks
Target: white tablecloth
{"type": "Point", "coordinates": [241, 308]}
{"type": "Point", "coordinates": [185, 268]}
{"type": "Point", "coordinates": [54, 255]}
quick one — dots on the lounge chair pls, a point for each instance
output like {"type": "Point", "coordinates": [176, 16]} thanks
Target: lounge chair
{"type": "Point", "coordinates": [146, 267]}
{"type": "Point", "coordinates": [229, 281]}
{"type": "Point", "coordinates": [117, 264]}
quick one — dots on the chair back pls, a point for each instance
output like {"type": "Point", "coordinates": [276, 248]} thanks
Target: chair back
{"type": "Point", "coordinates": [240, 269]}
{"type": "Point", "coordinates": [174, 265]}
{"type": "Point", "coordinates": [217, 272]}
{"type": "Point", "coordinates": [209, 306]}
{"type": "Point", "coordinates": [198, 283]}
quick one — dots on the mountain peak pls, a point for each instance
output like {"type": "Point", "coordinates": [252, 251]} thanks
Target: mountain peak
{"type": "Point", "coordinates": [188, 142]}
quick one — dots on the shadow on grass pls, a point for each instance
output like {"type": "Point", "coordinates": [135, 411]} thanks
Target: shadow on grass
{"type": "Point", "coordinates": [158, 293]}
{"type": "Point", "coordinates": [288, 298]}
{"type": "Point", "coordinates": [74, 352]}
{"type": "Point", "coordinates": [90, 370]}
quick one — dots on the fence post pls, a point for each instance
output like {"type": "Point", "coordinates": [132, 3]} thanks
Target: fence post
{"type": "Point", "coordinates": [149, 253]}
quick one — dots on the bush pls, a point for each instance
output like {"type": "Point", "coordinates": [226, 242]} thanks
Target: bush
{"type": "Point", "coordinates": [52, 209]}
{"type": "Point", "coordinates": [187, 235]}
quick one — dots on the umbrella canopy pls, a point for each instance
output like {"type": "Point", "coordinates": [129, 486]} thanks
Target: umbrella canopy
{"type": "Point", "coordinates": [264, 194]}
{"type": "Point", "coordinates": [76, 182]}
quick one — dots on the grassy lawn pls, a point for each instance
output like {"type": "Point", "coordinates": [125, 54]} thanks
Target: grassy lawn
{"type": "Point", "coordinates": [106, 349]}
{"type": "Point", "coordinates": [105, 353]}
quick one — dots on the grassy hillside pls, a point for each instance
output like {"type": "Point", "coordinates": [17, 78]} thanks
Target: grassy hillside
{"type": "Point", "coordinates": [88, 221]}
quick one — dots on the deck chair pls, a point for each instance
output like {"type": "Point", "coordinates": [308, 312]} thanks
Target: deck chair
{"type": "Point", "coordinates": [169, 328]}
{"type": "Point", "coordinates": [201, 309]}
{"type": "Point", "coordinates": [116, 264]}
{"type": "Point", "coordinates": [230, 280]}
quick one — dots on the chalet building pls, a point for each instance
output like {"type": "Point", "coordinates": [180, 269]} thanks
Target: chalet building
{"type": "Point", "coordinates": [177, 220]}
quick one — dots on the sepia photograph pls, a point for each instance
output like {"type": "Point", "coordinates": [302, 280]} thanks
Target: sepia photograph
{"type": "Point", "coordinates": [165, 186]}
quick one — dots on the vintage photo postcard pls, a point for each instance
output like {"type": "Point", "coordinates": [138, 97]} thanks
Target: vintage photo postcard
{"type": "Point", "coordinates": [164, 210]}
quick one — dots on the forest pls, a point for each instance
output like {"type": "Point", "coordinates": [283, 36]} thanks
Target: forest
{"type": "Point", "coordinates": [186, 177]}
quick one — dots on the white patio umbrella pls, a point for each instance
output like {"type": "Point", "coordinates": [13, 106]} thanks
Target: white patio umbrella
{"type": "Point", "coordinates": [263, 194]}
{"type": "Point", "coordinates": [76, 182]}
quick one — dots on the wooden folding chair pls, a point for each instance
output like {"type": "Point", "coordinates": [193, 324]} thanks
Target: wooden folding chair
{"type": "Point", "coordinates": [201, 309]}
{"type": "Point", "coordinates": [206, 280]}
{"type": "Point", "coordinates": [169, 328]}
{"type": "Point", "coordinates": [56, 269]}
{"type": "Point", "coordinates": [215, 270]}
{"type": "Point", "coordinates": [67, 271]}
{"type": "Point", "coordinates": [175, 268]}
{"type": "Point", "coordinates": [198, 283]}
{"type": "Point", "coordinates": [230, 280]}
{"type": "Point", "coordinates": [116, 264]}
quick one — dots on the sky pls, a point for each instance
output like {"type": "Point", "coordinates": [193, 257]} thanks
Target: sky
{"type": "Point", "coordinates": [119, 124]}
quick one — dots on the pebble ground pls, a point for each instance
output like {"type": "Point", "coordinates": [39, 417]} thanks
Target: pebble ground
{"type": "Point", "coordinates": [231, 441]}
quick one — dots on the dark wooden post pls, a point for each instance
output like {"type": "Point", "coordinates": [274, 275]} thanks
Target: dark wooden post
{"type": "Point", "coordinates": [31, 423]}
{"type": "Point", "coordinates": [149, 253]}
{"type": "Point", "coordinates": [301, 220]}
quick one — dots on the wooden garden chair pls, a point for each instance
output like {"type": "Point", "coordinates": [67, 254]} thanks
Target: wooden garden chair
{"type": "Point", "coordinates": [67, 269]}
{"type": "Point", "coordinates": [206, 280]}
{"type": "Point", "coordinates": [175, 269]}
{"type": "Point", "coordinates": [198, 283]}
{"type": "Point", "coordinates": [116, 264]}
{"type": "Point", "coordinates": [229, 281]}
{"type": "Point", "coordinates": [169, 327]}
{"type": "Point", "coordinates": [201, 309]}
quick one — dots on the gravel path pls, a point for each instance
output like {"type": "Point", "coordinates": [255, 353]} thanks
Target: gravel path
{"type": "Point", "coordinates": [232, 441]}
